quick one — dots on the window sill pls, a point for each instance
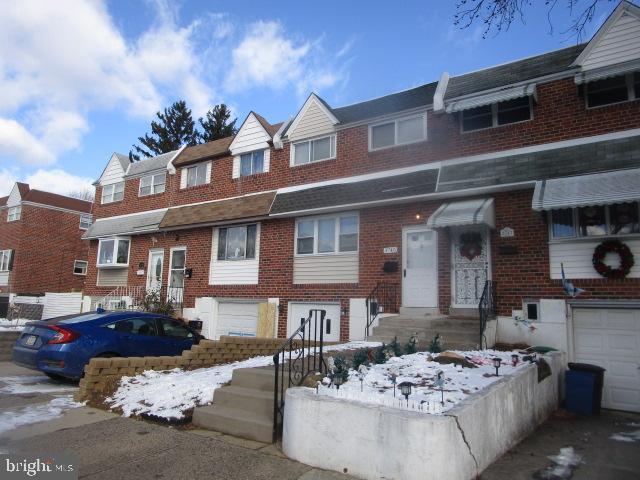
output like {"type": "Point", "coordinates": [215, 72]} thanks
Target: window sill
{"type": "Point", "coordinates": [612, 104]}
{"type": "Point", "coordinates": [80, 274]}
{"type": "Point", "coordinates": [598, 238]}
{"type": "Point", "coordinates": [196, 187]}
{"type": "Point", "coordinates": [465, 132]}
{"type": "Point", "coordinates": [315, 162]}
{"type": "Point", "coordinates": [151, 195]}
{"type": "Point", "coordinates": [247, 177]}
{"type": "Point", "coordinates": [331, 254]}
{"type": "Point", "coordinates": [112, 203]}
{"type": "Point", "coordinates": [111, 265]}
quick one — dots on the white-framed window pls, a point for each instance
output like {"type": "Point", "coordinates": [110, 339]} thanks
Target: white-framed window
{"type": "Point", "coordinates": [197, 175]}
{"type": "Point", "coordinates": [113, 192]}
{"type": "Point", "coordinates": [622, 88]}
{"type": "Point", "coordinates": [152, 184]}
{"type": "Point", "coordinates": [531, 309]}
{"type": "Point", "coordinates": [251, 163]}
{"type": "Point", "coordinates": [497, 114]}
{"type": "Point", "coordinates": [400, 131]}
{"type": "Point", "coordinates": [114, 252]}
{"type": "Point", "coordinates": [14, 213]}
{"type": "Point", "coordinates": [237, 243]}
{"type": "Point", "coordinates": [595, 221]}
{"type": "Point", "coordinates": [85, 221]}
{"type": "Point", "coordinates": [80, 267]}
{"type": "Point", "coordinates": [314, 150]}
{"type": "Point", "coordinates": [5, 260]}
{"type": "Point", "coordinates": [327, 235]}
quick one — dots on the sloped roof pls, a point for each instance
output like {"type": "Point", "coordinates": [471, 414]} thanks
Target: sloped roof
{"type": "Point", "coordinates": [513, 72]}
{"type": "Point", "coordinates": [55, 200]}
{"type": "Point", "coordinates": [123, 159]}
{"type": "Point", "coordinates": [139, 223]}
{"type": "Point", "coordinates": [335, 195]}
{"type": "Point", "coordinates": [204, 151]}
{"type": "Point", "coordinates": [396, 102]}
{"type": "Point", "coordinates": [271, 129]}
{"type": "Point", "coordinates": [150, 164]}
{"type": "Point", "coordinates": [239, 208]}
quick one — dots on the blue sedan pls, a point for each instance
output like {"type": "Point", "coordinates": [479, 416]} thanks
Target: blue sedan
{"type": "Point", "coordinates": [61, 347]}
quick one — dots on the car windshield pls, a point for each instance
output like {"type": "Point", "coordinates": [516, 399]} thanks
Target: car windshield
{"type": "Point", "coordinates": [78, 318]}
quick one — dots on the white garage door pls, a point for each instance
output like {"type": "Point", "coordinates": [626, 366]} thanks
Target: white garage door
{"type": "Point", "coordinates": [297, 311]}
{"type": "Point", "coordinates": [610, 338]}
{"type": "Point", "coordinates": [237, 319]}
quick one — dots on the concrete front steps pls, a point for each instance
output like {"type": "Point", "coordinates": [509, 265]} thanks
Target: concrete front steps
{"type": "Point", "coordinates": [244, 408]}
{"type": "Point", "coordinates": [457, 333]}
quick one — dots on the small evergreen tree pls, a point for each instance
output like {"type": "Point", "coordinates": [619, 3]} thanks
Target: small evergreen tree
{"type": "Point", "coordinates": [216, 124]}
{"type": "Point", "coordinates": [340, 369]}
{"type": "Point", "coordinates": [411, 346]}
{"type": "Point", "coordinates": [361, 357]}
{"type": "Point", "coordinates": [436, 344]}
{"type": "Point", "coordinates": [395, 347]}
{"type": "Point", "coordinates": [174, 129]}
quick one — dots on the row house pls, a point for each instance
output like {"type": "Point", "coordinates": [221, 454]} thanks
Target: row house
{"type": "Point", "coordinates": [500, 179]}
{"type": "Point", "coordinates": [41, 246]}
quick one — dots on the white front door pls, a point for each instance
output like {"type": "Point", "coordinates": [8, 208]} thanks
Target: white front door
{"type": "Point", "coordinates": [300, 311]}
{"type": "Point", "coordinates": [610, 338]}
{"type": "Point", "coordinates": [177, 265]}
{"type": "Point", "coordinates": [154, 273]}
{"type": "Point", "coordinates": [470, 264]}
{"type": "Point", "coordinates": [419, 268]}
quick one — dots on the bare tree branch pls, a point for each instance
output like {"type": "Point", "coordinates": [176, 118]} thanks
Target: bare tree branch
{"type": "Point", "coordinates": [85, 194]}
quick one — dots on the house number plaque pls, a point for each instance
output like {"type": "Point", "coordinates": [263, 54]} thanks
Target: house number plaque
{"type": "Point", "coordinates": [390, 250]}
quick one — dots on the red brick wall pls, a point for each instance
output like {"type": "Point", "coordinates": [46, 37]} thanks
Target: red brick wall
{"type": "Point", "coordinates": [559, 114]}
{"type": "Point", "coordinates": [45, 242]}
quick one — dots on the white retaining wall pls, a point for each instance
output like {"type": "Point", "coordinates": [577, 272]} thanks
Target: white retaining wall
{"type": "Point", "coordinates": [374, 442]}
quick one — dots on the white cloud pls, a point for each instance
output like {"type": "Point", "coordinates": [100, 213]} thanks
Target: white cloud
{"type": "Point", "coordinates": [53, 180]}
{"type": "Point", "coordinates": [16, 141]}
{"type": "Point", "coordinates": [266, 57]}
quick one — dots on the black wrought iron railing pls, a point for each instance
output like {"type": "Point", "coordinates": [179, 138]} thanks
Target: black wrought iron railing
{"type": "Point", "coordinates": [487, 308]}
{"type": "Point", "coordinates": [384, 298]}
{"type": "Point", "coordinates": [300, 356]}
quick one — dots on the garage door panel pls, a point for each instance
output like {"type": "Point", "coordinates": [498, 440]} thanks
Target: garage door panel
{"type": "Point", "coordinates": [237, 319]}
{"type": "Point", "coordinates": [610, 338]}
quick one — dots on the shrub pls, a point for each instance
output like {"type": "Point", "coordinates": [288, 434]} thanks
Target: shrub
{"type": "Point", "coordinates": [361, 357]}
{"type": "Point", "coordinates": [155, 302]}
{"type": "Point", "coordinates": [411, 346]}
{"type": "Point", "coordinates": [340, 369]}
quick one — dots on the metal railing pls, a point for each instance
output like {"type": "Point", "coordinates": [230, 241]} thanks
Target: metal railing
{"type": "Point", "coordinates": [384, 298]}
{"type": "Point", "coordinates": [132, 297]}
{"type": "Point", "coordinates": [300, 356]}
{"type": "Point", "coordinates": [487, 308]}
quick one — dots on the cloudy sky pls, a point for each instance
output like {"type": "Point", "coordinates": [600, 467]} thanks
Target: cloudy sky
{"type": "Point", "coordinates": [82, 79]}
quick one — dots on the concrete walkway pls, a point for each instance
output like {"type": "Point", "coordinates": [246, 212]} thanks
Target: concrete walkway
{"type": "Point", "coordinates": [603, 457]}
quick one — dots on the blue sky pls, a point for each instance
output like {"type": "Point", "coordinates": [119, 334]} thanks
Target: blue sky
{"type": "Point", "coordinates": [81, 79]}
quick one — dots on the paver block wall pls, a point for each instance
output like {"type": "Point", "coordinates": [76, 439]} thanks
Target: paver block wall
{"type": "Point", "coordinates": [102, 374]}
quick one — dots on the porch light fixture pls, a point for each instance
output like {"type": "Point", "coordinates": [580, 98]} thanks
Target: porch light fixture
{"type": "Point", "coordinates": [496, 363]}
{"type": "Point", "coordinates": [405, 389]}
{"type": "Point", "coordinates": [418, 216]}
{"type": "Point", "coordinates": [515, 359]}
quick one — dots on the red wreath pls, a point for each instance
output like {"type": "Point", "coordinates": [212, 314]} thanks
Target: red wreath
{"type": "Point", "coordinates": [613, 246]}
{"type": "Point", "coordinates": [470, 245]}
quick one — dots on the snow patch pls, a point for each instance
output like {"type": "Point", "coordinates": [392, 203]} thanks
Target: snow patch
{"type": "Point", "coordinates": [32, 384]}
{"type": "Point", "coordinates": [171, 393]}
{"type": "Point", "coordinates": [627, 436]}
{"type": "Point", "coordinates": [12, 419]}
{"type": "Point", "coordinates": [16, 325]}
{"type": "Point", "coordinates": [564, 465]}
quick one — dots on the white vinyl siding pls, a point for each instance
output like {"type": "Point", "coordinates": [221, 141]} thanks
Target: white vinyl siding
{"type": "Point", "coordinates": [576, 257]}
{"type": "Point", "coordinates": [113, 192]}
{"type": "Point", "coordinates": [313, 122]}
{"type": "Point", "coordinates": [315, 150]}
{"type": "Point", "coordinates": [234, 272]}
{"type": "Point", "coordinates": [620, 44]}
{"type": "Point", "coordinates": [113, 173]}
{"type": "Point", "coordinates": [152, 184]}
{"type": "Point", "coordinates": [400, 131]}
{"type": "Point", "coordinates": [340, 268]}
{"type": "Point", "coordinates": [14, 213]}
{"type": "Point", "coordinates": [252, 136]}
{"type": "Point", "coordinates": [112, 277]}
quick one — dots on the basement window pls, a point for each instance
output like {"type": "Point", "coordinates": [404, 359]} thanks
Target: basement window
{"type": "Point", "coordinates": [531, 309]}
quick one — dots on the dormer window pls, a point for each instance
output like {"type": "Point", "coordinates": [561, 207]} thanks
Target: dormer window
{"type": "Point", "coordinates": [608, 91]}
{"type": "Point", "coordinates": [401, 131]}
{"type": "Point", "coordinates": [152, 184]}
{"type": "Point", "coordinates": [14, 213]}
{"type": "Point", "coordinates": [315, 150]}
{"type": "Point", "coordinates": [252, 163]}
{"type": "Point", "coordinates": [113, 192]}
{"type": "Point", "coordinates": [497, 114]}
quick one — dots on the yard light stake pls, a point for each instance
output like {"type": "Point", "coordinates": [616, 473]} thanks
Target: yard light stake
{"type": "Point", "coordinates": [337, 380]}
{"type": "Point", "coordinates": [440, 383]}
{"type": "Point", "coordinates": [496, 363]}
{"type": "Point", "coordinates": [405, 389]}
{"type": "Point", "coordinates": [515, 359]}
{"type": "Point", "coordinates": [362, 372]}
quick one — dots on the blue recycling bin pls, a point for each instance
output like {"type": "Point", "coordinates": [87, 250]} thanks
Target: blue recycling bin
{"type": "Point", "coordinates": [583, 388]}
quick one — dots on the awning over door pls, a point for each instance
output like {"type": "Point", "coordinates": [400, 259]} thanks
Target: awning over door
{"type": "Point", "coordinates": [468, 212]}
{"type": "Point", "coordinates": [583, 190]}
{"type": "Point", "coordinates": [492, 97]}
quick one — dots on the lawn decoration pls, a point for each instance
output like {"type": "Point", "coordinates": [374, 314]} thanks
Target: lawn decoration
{"type": "Point", "coordinates": [569, 288]}
{"type": "Point", "coordinates": [519, 319]}
{"type": "Point", "coordinates": [411, 346]}
{"type": "Point", "coordinates": [470, 245]}
{"type": "Point", "coordinates": [613, 246]}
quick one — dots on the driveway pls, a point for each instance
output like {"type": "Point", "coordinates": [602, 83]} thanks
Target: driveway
{"type": "Point", "coordinates": [603, 457]}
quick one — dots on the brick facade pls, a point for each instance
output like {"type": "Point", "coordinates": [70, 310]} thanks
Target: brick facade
{"type": "Point", "coordinates": [45, 243]}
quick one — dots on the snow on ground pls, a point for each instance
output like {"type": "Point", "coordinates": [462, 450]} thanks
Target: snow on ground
{"type": "Point", "coordinates": [36, 413]}
{"type": "Point", "coordinates": [421, 370]}
{"type": "Point", "coordinates": [563, 465]}
{"type": "Point", "coordinates": [170, 394]}
{"type": "Point", "coordinates": [29, 384]}
{"type": "Point", "coordinates": [16, 325]}
{"type": "Point", "coordinates": [627, 436]}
